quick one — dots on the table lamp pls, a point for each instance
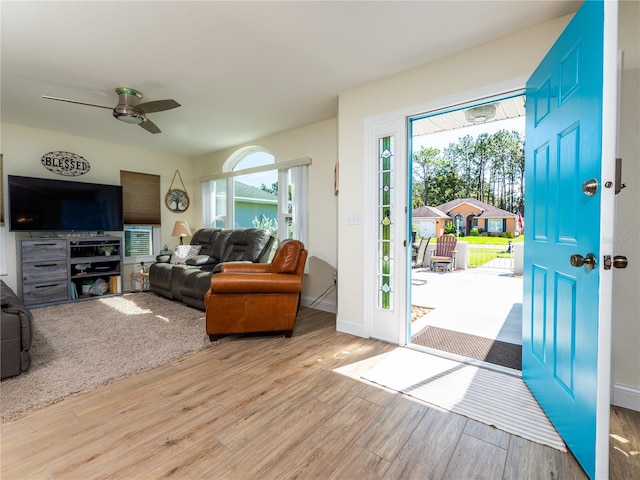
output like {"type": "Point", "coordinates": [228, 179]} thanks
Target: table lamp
{"type": "Point", "coordinates": [181, 229]}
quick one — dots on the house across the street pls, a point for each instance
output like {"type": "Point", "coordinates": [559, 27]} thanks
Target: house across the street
{"type": "Point", "coordinates": [466, 214]}
{"type": "Point", "coordinates": [430, 221]}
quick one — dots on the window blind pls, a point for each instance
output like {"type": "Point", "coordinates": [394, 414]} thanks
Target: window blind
{"type": "Point", "coordinates": [141, 198]}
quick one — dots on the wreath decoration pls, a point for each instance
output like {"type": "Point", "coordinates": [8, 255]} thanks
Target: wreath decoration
{"type": "Point", "coordinates": [176, 199]}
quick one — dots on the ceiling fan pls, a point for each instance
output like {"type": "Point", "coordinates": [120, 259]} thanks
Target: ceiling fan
{"type": "Point", "coordinates": [129, 108]}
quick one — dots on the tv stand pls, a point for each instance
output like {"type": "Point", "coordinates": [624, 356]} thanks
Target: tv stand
{"type": "Point", "coordinates": [54, 270]}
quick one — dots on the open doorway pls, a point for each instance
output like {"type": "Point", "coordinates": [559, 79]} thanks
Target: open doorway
{"type": "Point", "coordinates": [468, 183]}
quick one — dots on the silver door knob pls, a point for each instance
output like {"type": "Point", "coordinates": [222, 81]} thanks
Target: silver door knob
{"type": "Point", "coordinates": [578, 261]}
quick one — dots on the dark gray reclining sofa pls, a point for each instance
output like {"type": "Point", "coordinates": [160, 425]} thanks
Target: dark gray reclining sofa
{"type": "Point", "coordinates": [188, 283]}
{"type": "Point", "coordinates": [16, 334]}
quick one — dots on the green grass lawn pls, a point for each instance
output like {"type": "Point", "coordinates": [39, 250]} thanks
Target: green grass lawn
{"type": "Point", "coordinates": [491, 240]}
{"type": "Point", "coordinates": [479, 257]}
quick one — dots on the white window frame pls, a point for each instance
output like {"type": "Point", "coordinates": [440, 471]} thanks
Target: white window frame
{"type": "Point", "coordinates": [147, 259]}
{"type": "Point", "coordinates": [493, 223]}
{"type": "Point", "coordinates": [299, 168]}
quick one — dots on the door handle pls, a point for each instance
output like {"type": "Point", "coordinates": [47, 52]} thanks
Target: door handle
{"type": "Point", "coordinates": [619, 261]}
{"type": "Point", "coordinates": [578, 261]}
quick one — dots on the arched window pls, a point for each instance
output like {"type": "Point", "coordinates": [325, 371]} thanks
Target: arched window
{"type": "Point", "coordinates": [256, 191]}
{"type": "Point", "coordinates": [248, 157]}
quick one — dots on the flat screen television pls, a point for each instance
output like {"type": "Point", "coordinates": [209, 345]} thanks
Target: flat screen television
{"type": "Point", "coordinates": [44, 205]}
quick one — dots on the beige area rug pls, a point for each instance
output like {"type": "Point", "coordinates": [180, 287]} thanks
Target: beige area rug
{"type": "Point", "coordinates": [493, 398]}
{"type": "Point", "coordinates": [79, 347]}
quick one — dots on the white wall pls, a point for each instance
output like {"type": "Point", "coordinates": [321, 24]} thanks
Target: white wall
{"type": "Point", "coordinates": [489, 64]}
{"type": "Point", "coordinates": [495, 63]}
{"type": "Point", "coordinates": [319, 142]}
{"type": "Point", "coordinates": [23, 148]}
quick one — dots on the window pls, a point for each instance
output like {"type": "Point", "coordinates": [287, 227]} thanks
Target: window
{"type": "Point", "coordinates": [264, 194]}
{"type": "Point", "coordinates": [494, 225]}
{"type": "Point", "coordinates": [138, 241]}
{"type": "Point", "coordinates": [386, 217]}
{"type": "Point", "coordinates": [141, 204]}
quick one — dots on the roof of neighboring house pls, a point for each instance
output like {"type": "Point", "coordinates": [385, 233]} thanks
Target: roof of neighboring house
{"type": "Point", "coordinates": [428, 212]}
{"type": "Point", "coordinates": [249, 192]}
{"type": "Point", "coordinates": [488, 211]}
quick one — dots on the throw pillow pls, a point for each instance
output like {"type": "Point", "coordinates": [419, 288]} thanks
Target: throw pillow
{"type": "Point", "coordinates": [184, 253]}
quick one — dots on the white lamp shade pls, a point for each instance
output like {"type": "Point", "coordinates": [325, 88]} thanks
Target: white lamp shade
{"type": "Point", "coordinates": [181, 229]}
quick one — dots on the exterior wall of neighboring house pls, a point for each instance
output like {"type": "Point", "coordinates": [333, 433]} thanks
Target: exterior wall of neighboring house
{"type": "Point", "coordinates": [254, 204]}
{"type": "Point", "coordinates": [490, 224]}
{"type": "Point", "coordinates": [503, 225]}
{"type": "Point", "coordinates": [248, 209]}
{"type": "Point", "coordinates": [468, 212]}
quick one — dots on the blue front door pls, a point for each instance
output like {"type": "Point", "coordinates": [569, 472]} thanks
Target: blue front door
{"type": "Point", "coordinates": [565, 327]}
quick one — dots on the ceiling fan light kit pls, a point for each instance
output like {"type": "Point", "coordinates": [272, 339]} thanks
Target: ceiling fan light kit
{"type": "Point", "coordinates": [128, 115]}
{"type": "Point", "coordinates": [125, 110]}
{"type": "Point", "coordinates": [480, 114]}
{"type": "Point", "coordinates": [129, 109]}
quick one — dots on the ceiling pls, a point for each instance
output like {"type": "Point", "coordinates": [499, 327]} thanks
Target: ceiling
{"type": "Point", "coordinates": [504, 109]}
{"type": "Point", "coordinates": [241, 70]}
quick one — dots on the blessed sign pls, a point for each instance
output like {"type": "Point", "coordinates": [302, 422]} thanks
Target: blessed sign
{"type": "Point", "coordinates": [65, 163]}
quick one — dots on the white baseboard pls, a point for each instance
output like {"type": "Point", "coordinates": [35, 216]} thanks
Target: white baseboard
{"type": "Point", "coordinates": [626, 397]}
{"type": "Point", "coordinates": [324, 305]}
{"type": "Point", "coordinates": [345, 326]}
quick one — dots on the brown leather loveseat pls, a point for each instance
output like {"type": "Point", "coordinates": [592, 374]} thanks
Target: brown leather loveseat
{"type": "Point", "coordinates": [259, 297]}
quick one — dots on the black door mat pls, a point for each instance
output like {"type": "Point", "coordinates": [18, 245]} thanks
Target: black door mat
{"type": "Point", "coordinates": [470, 346]}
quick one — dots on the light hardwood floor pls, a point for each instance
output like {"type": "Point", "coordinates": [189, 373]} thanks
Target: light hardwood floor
{"type": "Point", "coordinates": [274, 408]}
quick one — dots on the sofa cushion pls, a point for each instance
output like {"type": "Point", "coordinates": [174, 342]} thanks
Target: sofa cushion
{"type": "Point", "coordinates": [206, 238]}
{"type": "Point", "coordinates": [245, 245]}
{"type": "Point", "coordinates": [4, 299]}
{"type": "Point", "coordinates": [184, 253]}
{"type": "Point", "coordinates": [200, 260]}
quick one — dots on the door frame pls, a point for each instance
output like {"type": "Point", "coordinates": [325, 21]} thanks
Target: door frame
{"type": "Point", "coordinates": [392, 326]}
{"type": "Point", "coordinates": [465, 222]}
{"type": "Point", "coordinates": [610, 113]}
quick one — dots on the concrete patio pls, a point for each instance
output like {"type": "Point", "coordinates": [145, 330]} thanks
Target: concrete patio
{"type": "Point", "coordinates": [486, 302]}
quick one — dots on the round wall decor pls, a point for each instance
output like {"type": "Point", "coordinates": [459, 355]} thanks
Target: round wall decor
{"type": "Point", "coordinates": [176, 199]}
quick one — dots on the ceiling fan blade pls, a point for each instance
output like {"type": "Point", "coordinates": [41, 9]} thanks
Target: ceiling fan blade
{"type": "Point", "coordinates": [150, 127]}
{"type": "Point", "coordinates": [74, 101]}
{"type": "Point", "coordinates": [157, 106]}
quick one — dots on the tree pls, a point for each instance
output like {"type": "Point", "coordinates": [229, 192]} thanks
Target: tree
{"type": "Point", "coordinates": [462, 157]}
{"type": "Point", "coordinates": [489, 168]}
{"type": "Point", "coordinates": [424, 167]}
{"type": "Point", "coordinates": [273, 189]}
